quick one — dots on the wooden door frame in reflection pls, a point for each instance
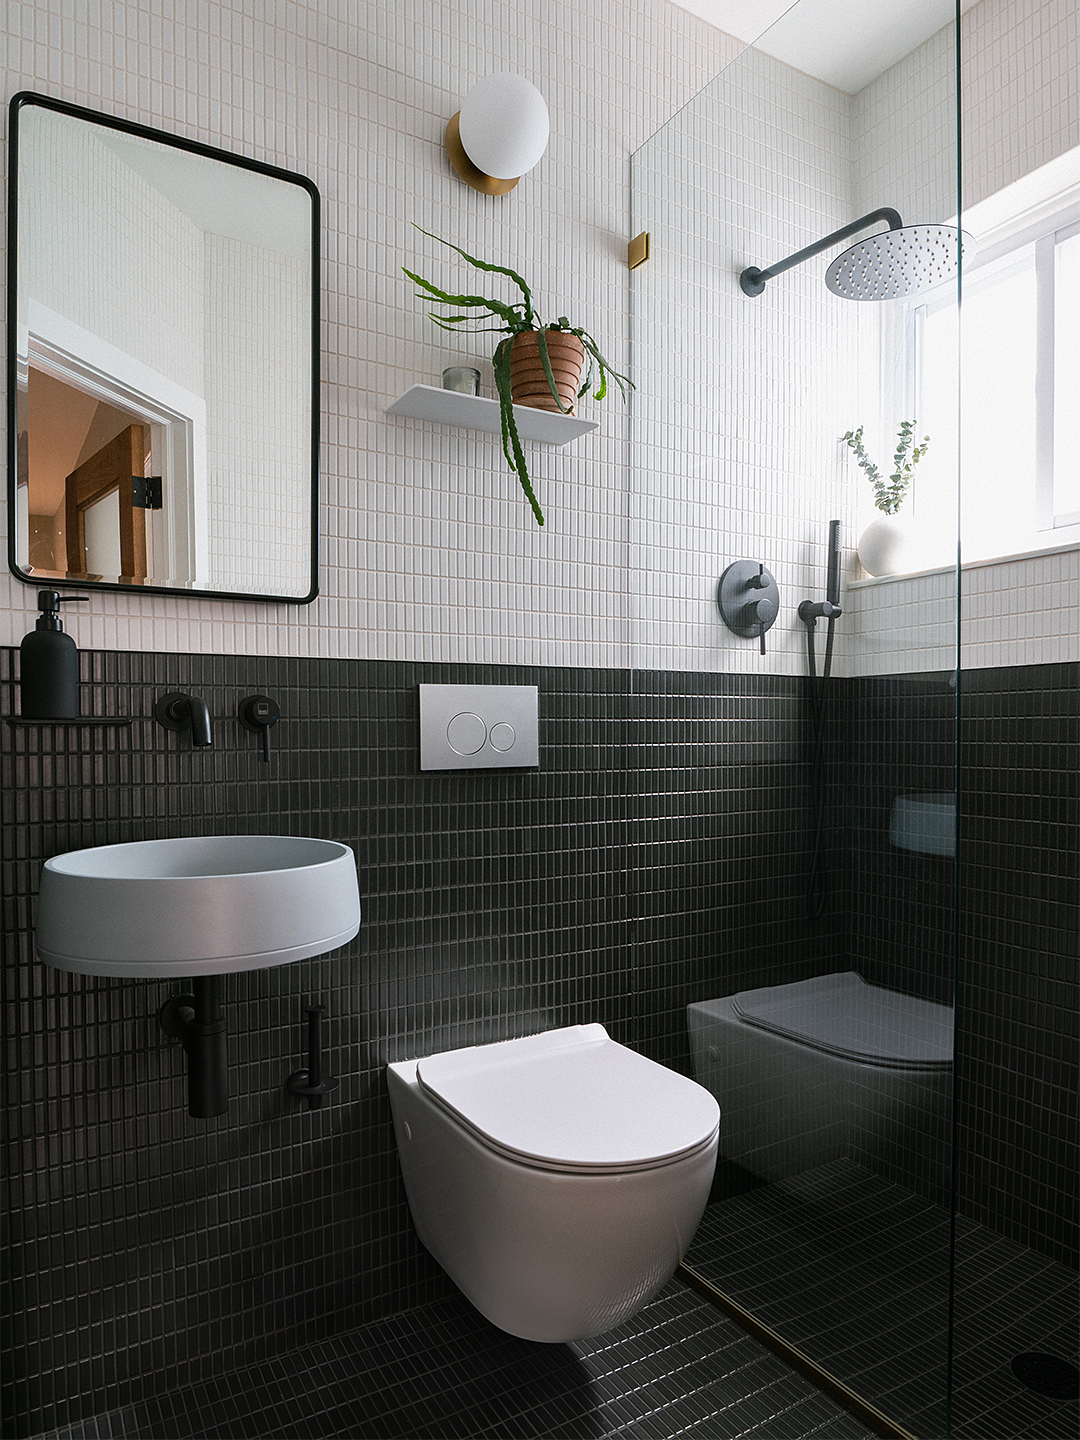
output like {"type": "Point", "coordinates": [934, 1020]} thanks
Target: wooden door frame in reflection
{"type": "Point", "coordinates": [112, 468]}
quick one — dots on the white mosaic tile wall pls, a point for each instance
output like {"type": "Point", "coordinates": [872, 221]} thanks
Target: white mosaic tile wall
{"type": "Point", "coordinates": [1020, 98]}
{"type": "Point", "coordinates": [741, 399]}
{"type": "Point", "coordinates": [900, 624]}
{"type": "Point", "coordinates": [903, 155]}
{"type": "Point", "coordinates": [1020, 90]}
{"type": "Point", "coordinates": [259, 450]}
{"type": "Point", "coordinates": [1020, 611]}
{"type": "Point", "coordinates": [430, 551]}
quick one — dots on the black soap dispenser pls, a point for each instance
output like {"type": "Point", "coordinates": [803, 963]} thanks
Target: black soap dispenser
{"type": "Point", "coordinates": [49, 667]}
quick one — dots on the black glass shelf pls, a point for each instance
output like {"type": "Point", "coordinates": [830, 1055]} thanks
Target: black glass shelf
{"type": "Point", "coordinates": [69, 720]}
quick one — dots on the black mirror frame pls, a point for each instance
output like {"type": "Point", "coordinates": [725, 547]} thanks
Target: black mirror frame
{"type": "Point", "coordinates": [26, 97]}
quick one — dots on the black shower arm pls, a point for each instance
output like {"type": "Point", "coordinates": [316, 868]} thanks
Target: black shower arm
{"type": "Point", "coordinates": [753, 280]}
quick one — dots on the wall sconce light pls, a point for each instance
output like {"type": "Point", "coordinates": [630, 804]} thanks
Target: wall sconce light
{"type": "Point", "coordinates": [500, 132]}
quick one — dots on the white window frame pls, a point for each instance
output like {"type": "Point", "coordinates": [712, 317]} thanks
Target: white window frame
{"type": "Point", "coordinates": [1045, 389]}
{"type": "Point", "coordinates": [1001, 247]}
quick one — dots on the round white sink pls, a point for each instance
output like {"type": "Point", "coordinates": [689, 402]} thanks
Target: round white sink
{"type": "Point", "coordinates": [208, 905]}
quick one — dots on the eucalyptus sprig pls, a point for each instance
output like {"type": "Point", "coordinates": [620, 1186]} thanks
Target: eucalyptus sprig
{"type": "Point", "coordinates": [510, 320]}
{"type": "Point", "coordinates": [889, 494]}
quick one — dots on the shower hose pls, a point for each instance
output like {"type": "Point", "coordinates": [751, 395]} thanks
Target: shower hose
{"type": "Point", "coordinates": [817, 881]}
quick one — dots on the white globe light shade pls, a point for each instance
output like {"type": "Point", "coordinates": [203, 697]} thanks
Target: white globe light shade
{"type": "Point", "coordinates": [504, 126]}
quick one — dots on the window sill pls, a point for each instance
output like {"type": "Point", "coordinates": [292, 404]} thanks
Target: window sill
{"type": "Point", "coordinates": [872, 581]}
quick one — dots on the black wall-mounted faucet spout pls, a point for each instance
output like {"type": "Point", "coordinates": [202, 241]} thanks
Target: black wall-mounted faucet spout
{"type": "Point", "coordinates": [177, 711]}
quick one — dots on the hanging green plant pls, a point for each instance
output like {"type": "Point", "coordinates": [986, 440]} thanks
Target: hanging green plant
{"type": "Point", "coordinates": [889, 493]}
{"type": "Point", "coordinates": [549, 367]}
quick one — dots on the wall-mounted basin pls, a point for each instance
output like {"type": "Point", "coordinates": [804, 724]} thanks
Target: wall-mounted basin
{"type": "Point", "coordinates": [208, 905]}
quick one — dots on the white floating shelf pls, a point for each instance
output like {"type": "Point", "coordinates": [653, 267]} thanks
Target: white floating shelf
{"type": "Point", "coordinates": [474, 412]}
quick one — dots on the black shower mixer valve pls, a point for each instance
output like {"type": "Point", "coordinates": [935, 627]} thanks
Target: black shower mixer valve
{"type": "Point", "coordinates": [749, 599]}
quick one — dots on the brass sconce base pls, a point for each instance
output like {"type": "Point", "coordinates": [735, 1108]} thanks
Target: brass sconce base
{"type": "Point", "coordinates": [486, 184]}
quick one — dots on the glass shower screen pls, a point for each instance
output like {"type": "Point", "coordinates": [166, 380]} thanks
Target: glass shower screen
{"type": "Point", "coordinates": [805, 970]}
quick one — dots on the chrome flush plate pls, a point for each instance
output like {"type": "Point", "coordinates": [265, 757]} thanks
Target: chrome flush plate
{"type": "Point", "coordinates": [478, 727]}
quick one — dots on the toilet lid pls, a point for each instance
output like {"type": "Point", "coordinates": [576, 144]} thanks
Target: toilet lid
{"type": "Point", "coordinates": [843, 1015]}
{"type": "Point", "coordinates": [572, 1099]}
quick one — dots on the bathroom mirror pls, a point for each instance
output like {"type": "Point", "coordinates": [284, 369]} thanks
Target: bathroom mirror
{"type": "Point", "coordinates": [162, 362]}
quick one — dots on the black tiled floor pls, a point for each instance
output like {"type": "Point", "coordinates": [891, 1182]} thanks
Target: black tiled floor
{"type": "Point", "coordinates": [442, 1372]}
{"type": "Point", "coordinates": [854, 1271]}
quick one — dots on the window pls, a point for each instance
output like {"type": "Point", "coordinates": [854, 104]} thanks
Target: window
{"type": "Point", "coordinates": [1019, 341]}
{"type": "Point", "coordinates": [1066, 457]}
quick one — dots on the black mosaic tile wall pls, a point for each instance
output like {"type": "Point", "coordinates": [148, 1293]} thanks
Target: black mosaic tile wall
{"type": "Point", "coordinates": [1020, 943]}
{"type": "Point", "coordinates": [896, 735]}
{"type": "Point", "coordinates": [656, 857]}
{"type": "Point", "coordinates": [718, 850]}
{"type": "Point", "coordinates": [647, 862]}
{"type": "Point", "coordinates": [1019, 917]}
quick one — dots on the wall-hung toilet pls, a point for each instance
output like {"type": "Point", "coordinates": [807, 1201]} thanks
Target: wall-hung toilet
{"type": "Point", "coordinates": [557, 1179]}
{"type": "Point", "coordinates": [827, 1068]}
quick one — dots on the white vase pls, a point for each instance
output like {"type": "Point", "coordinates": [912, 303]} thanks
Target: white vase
{"type": "Point", "coordinates": [887, 546]}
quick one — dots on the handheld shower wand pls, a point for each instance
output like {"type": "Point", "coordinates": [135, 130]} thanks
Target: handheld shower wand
{"type": "Point", "coordinates": [832, 579]}
{"type": "Point", "coordinates": [811, 611]}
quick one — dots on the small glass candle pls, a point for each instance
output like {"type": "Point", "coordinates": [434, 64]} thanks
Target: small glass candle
{"type": "Point", "coordinates": [461, 378]}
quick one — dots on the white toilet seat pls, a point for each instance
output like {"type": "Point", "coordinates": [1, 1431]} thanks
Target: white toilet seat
{"type": "Point", "coordinates": [572, 1100]}
{"type": "Point", "coordinates": [824, 1068]}
{"type": "Point", "coordinates": [558, 1178]}
{"type": "Point", "coordinates": [844, 1016]}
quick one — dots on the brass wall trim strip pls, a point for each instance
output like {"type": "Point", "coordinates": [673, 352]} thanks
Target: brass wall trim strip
{"type": "Point", "coordinates": [851, 1400]}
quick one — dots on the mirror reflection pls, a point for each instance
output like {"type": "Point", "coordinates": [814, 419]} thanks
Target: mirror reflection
{"type": "Point", "coordinates": [163, 362]}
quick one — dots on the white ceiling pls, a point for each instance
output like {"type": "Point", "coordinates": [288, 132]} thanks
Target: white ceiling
{"type": "Point", "coordinates": [846, 43]}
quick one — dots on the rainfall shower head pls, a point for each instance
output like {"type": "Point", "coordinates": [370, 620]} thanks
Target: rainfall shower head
{"type": "Point", "coordinates": [898, 262]}
{"type": "Point", "coordinates": [902, 260]}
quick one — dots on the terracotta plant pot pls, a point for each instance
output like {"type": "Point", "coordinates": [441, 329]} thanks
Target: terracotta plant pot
{"type": "Point", "coordinates": [528, 383]}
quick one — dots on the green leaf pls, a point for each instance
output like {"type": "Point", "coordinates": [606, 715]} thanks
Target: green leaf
{"type": "Point", "coordinates": [511, 440]}
{"type": "Point", "coordinates": [491, 270]}
{"type": "Point", "coordinates": [479, 302]}
{"type": "Point", "coordinates": [545, 360]}
{"type": "Point", "coordinates": [605, 368]}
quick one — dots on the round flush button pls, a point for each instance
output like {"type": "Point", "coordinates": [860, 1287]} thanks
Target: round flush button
{"type": "Point", "coordinates": [502, 736]}
{"type": "Point", "coordinates": [466, 733]}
